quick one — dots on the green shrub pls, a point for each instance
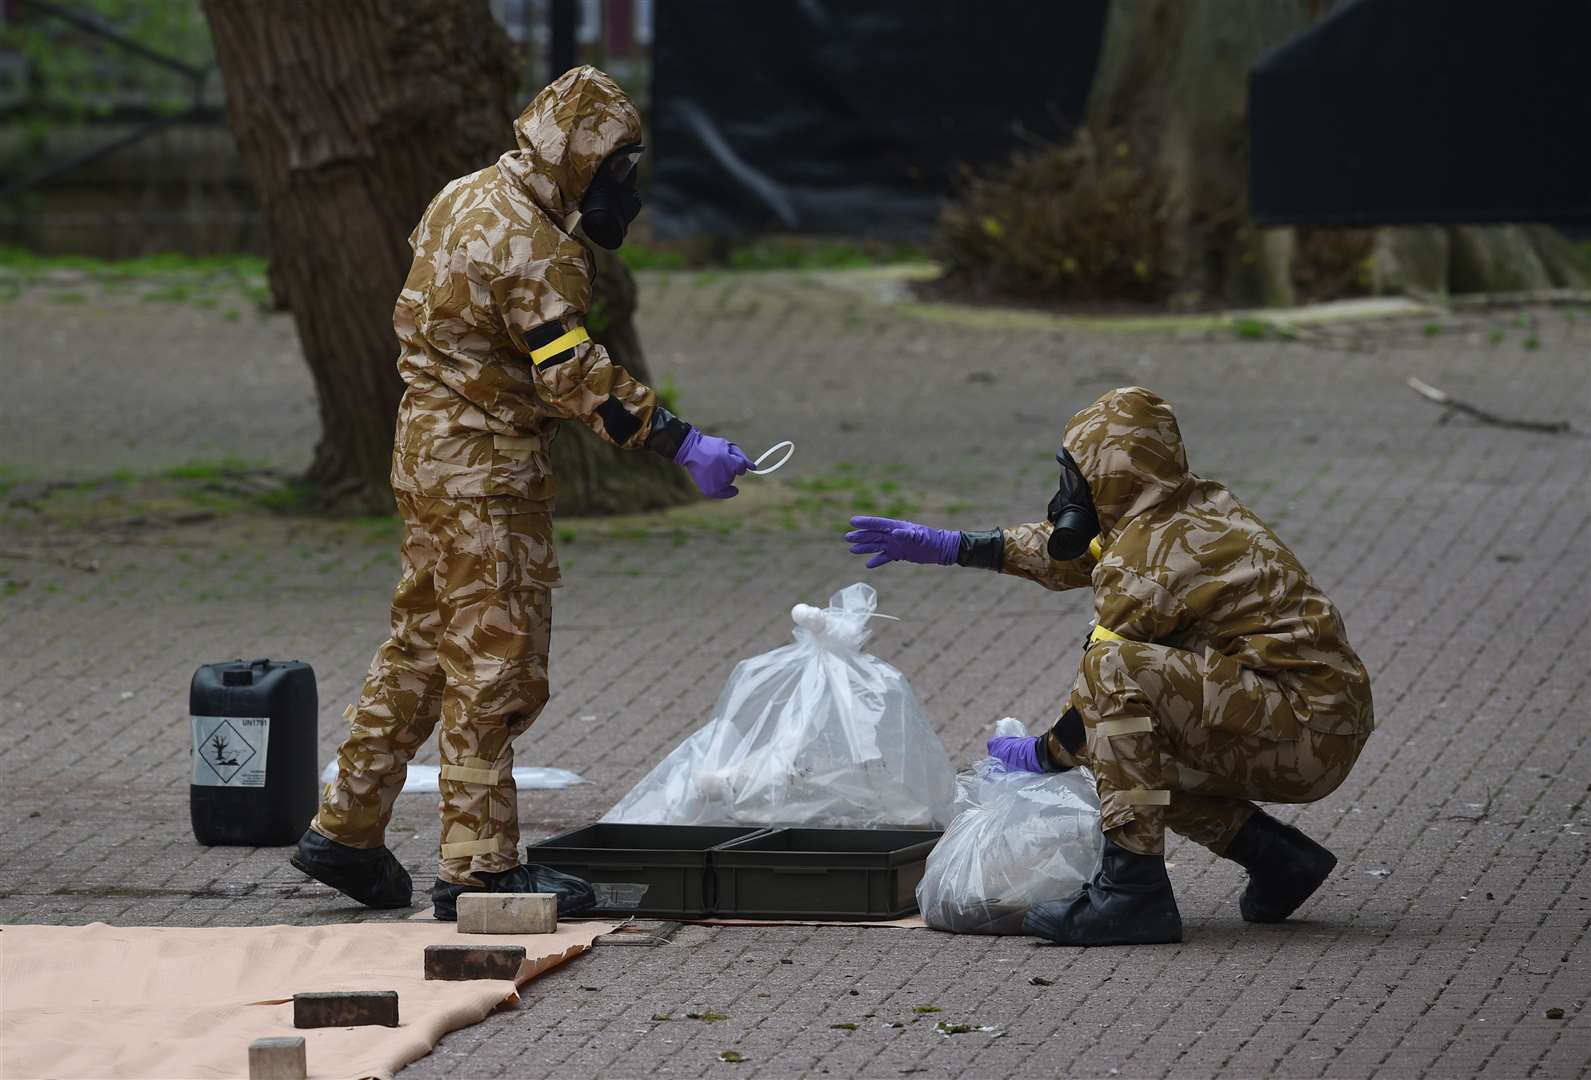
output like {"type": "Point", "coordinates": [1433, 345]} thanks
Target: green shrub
{"type": "Point", "coordinates": [1080, 221]}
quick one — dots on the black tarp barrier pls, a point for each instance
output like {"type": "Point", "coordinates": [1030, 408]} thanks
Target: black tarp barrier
{"type": "Point", "coordinates": [1426, 111]}
{"type": "Point", "coordinates": [851, 116]}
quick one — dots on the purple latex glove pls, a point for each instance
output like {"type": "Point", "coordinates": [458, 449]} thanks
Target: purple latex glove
{"type": "Point", "coordinates": [1018, 753]}
{"type": "Point", "coordinates": [713, 463]}
{"type": "Point", "coordinates": [888, 540]}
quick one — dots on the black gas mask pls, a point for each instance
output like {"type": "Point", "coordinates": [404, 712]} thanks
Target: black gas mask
{"type": "Point", "coordinates": [612, 201]}
{"type": "Point", "coordinates": [1071, 513]}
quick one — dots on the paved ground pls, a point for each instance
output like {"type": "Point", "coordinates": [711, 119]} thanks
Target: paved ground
{"type": "Point", "coordinates": [1458, 916]}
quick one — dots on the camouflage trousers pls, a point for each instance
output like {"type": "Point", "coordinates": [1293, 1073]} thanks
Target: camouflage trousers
{"type": "Point", "coordinates": [471, 627]}
{"type": "Point", "coordinates": [1185, 740]}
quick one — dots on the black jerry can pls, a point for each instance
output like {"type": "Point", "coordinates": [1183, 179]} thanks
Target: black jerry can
{"type": "Point", "coordinates": [254, 735]}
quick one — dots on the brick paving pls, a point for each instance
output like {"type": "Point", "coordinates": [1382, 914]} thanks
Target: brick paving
{"type": "Point", "coordinates": [1459, 552]}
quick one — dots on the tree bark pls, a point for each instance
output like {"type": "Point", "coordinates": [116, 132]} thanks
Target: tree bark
{"type": "Point", "coordinates": [349, 117]}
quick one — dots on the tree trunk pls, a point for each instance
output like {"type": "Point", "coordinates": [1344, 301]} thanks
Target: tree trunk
{"type": "Point", "coordinates": [1173, 79]}
{"type": "Point", "coordinates": [349, 117]}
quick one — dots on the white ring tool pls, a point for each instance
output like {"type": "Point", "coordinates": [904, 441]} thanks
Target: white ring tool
{"type": "Point", "coordinates": [756, 466]}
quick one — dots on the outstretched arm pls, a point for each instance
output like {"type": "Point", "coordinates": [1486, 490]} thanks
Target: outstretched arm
{"type": "Point", "coordinates": [576, 377]}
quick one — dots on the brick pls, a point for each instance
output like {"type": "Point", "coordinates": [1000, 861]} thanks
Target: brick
{"type": "Point", "coordinates": [508, 913]}
{"type": "Point", "coordinates": [346, 1008]}
{"type": "Point", "coordinates": [278, 1058]}
{"type": "Point", "coordinates": [458, 962]}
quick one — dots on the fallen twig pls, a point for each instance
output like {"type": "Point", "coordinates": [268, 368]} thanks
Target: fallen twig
{"type": "Point", "coordinates": [1447, 401]}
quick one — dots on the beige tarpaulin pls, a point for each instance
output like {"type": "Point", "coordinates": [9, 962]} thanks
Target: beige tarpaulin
{"type": "Point", "coordinates": [108, 1001]}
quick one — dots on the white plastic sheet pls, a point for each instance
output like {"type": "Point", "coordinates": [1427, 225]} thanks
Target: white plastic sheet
{"type": "Point", "coordinates": [1018, 839]}
{"type": "Point", "coordinates": [424, 778]}
{"type": "Point", "coordinates": [817, 733]}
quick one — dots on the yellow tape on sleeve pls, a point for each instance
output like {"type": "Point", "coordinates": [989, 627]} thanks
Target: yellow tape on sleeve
{"type": "Point", "coordinates": [563, 343]}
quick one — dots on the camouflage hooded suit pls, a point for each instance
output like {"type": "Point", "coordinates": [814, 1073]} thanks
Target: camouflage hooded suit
{"type": "Point", "coordinates": [1218, 671]}
{"type": "Point", "coordinates": [494, 355]}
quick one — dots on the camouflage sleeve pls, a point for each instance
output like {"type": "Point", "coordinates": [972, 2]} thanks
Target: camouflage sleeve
{"type": "Point", "coordinates": [1136, 607]}
{"type": "Point", "coordinates": [1027, 555]}
{"type": "Point", "coordinates": [574, 375]}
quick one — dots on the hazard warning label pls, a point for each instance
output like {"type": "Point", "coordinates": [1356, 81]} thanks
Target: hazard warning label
{"type": "Point", "coordinates": [229, 751]}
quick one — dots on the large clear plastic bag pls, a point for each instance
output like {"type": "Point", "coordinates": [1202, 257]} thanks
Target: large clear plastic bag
{"type": "Point", "coordinates": [1018, 839]}
{"type": "Point", "coordinates": [818, 733]}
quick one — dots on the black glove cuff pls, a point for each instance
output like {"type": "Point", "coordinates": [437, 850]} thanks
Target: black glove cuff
{"type": "Point", "coordinates": [1069, 732]}
{"type": "Point", "coordinates": [984, 550]}
{"type": "Point", "coordinates": [1062, 747]}
{"type": "Point", "coordinates": [667, 434]}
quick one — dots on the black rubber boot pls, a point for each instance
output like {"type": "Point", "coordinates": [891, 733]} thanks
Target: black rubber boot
{"type": "Point", "coordinates": [1284, 867]}
{"type": "Point", "coordinates": [574, 894]}
{"type": "Point", "coordinates": [372, 876]}
{"type": "Point", "coordinates": [1129, 902]}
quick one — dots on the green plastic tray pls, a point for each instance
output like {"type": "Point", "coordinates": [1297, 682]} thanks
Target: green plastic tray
{"type": "Point", "coordinates": [838, 874]}
{"type": "Point", "coordinates": [642, 869]}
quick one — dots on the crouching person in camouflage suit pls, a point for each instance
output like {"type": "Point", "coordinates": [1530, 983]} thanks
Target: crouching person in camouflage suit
{"type": "Point", "coordinates": [1217, 672]}
{"type": "Point", "coordinates": [495, 354]}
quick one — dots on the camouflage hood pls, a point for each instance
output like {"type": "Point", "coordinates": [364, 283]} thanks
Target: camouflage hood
{"type": "Point", "coordinates": [565, 133]}
{"type": "Point", "coordinates": [1130, 451]}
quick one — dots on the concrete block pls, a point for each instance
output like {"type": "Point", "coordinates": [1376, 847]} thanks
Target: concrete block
{"type": "Point", "coordinates": [458, 962]}
{"type": "Point", "coordinates": [278, 1058]}
{"type": "Point", "coordinates": [508, 913]}
{"type": "Point", "coordinates": [346, 1008]}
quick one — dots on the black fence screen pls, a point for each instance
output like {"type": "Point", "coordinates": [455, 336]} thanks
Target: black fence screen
{"type": "Point", "coordinates": [1414, 111]}
{"type": "Point", "coordinates": [851, 116]}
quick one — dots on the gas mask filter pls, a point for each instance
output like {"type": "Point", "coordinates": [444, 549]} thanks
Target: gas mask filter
{"type": "Point", "coordinates": [611, 201]}
{"type": "Point", "coordinates": [1071, 513]}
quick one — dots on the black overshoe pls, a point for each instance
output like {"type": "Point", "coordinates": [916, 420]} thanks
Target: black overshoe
{"type": "Point", "coordinates": [372, 876]}
{"type": "Point", "coordinates": [574, 894]}
{"type": "Point", "coordinates": [1284, 867]}
{"type": "Point", "coordinates": [1129, 902]}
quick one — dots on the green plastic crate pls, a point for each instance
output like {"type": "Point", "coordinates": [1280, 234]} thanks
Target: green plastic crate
{"type": "Point", "coordinates": [838, 874]}
{"type": "Point", "coordinates": [662, 870]}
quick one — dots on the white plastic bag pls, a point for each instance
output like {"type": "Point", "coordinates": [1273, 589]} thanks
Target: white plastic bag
{"type": "Point", "coordinates": [1018, 839]}
{"type": "Point", "coordinates": [818, 733]}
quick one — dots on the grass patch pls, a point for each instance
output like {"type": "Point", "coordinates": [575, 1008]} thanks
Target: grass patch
{"type": "Point", "coordinates": [25, 263]}
{"type": "Point", "coordinates": [204, 470]}
{"type": "Point", "coordinates": [176, 293]}
{"type": "Point", "coordinates": [707, 1017]}
{"type": "Point", "coordinates": [792, 254]}
{"type": "Point", "coordinates": [647, 257]}
{"type": "Point", "coordinates": [768, 253]}
{"type": "Point", "coordinates": [171, 278]}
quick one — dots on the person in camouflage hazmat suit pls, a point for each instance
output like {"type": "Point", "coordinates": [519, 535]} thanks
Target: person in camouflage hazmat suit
{"type": "Point", "coordinates": [1217, 672]}
{"type": "Point", "coordinates": [494, 354]}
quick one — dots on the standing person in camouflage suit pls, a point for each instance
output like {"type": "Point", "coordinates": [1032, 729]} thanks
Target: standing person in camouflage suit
{"type": "Point", "coordinates": [1217, 672]}
{"type": "Point", "coordinates": [495, 354]}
